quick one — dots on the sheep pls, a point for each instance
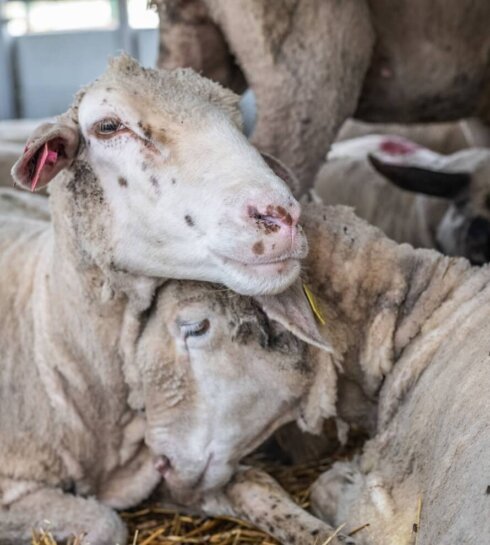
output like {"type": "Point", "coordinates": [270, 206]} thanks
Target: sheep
{"type": "Point", "coordinates": [406, 329]}
{"type": "Point", "coordinates": [446, 204]}
{"type": "Point", "coordinates": [445, 138]}
{"type": "Point", "coordinates": [313, 64]}
{"type": "Point", "coordinates": [139, 142]}
{"type": "Point", "coordinates": [410, 330]}
{"type": "Point", "coordinates": [150, 178]}
{"type": "Point", "coordinates": [391, 320]}
{"type": "Point", "coordinates": [71, 454]}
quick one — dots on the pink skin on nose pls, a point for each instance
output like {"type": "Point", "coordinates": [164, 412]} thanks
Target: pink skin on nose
{"type": "Point", "coordinates": [275, 218]}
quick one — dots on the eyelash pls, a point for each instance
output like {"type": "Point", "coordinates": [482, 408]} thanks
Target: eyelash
{"type": "Point", "coordinates": [108, 127]}
{"type": "Point", "coordinates": [195, 329]}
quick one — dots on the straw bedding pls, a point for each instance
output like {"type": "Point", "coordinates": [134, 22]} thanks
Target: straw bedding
{"type": "Point", "coordinates": [150, 524]}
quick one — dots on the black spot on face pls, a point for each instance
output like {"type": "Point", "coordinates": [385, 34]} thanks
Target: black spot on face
{"type": "Point", "coordinates": [122, 181]}
{"type": "Point", "coordinates": [189, 220]}
{"type": "Point", "coordinates": [174, 181]}
{"type": "Point", "coordinates": [258, 248]}
{"type": "Point", "coordinates": [144, 166]}
{"type": "Point", "coordinates": [154, 182]}
{"type": "Point", "coordinates": [146, 130]}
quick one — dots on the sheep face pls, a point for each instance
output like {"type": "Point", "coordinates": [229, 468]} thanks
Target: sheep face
{"type": "Point", "coordinates": [462, 178]}
{"type": "Point", "coordinates": [157, 162]}
{"type": "Point", "coordinates": [465, 228]}
{"type": "Point", "coordinates": [216, 378]}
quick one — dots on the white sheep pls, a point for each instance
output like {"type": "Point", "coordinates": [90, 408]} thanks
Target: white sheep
{"type": "Point", "coordinates": [150, 178]}
{"type": "Point", "coordinates": [446, 202]}
{"type": "Point", "coordinates": [150, 175]}
{"type": "Point", "coordinates": [217, 373]}
{"type": "Point", "coordinates": [196, 388]}
{"type": "Point", "coordinates": [411, 331]}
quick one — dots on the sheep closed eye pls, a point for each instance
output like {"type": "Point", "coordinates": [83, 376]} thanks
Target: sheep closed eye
{"type": "Point", "coordinates": [194, 329]}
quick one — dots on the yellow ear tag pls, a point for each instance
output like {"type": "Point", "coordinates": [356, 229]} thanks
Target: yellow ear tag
{"type": "Point", "coordinates": [313, 304]}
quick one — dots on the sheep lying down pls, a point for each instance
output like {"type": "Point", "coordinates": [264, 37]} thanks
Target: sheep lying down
{"type": "Point", "coordinates": [413, 194]}
{"type": "Point", "coordinates": [150, 178]}
{"type": "Point", "coordinates": [212, 374]}
{"type": "Point", "coordinates": [202, 387]}
{"type": "Point", "coordinates": [412, 333]}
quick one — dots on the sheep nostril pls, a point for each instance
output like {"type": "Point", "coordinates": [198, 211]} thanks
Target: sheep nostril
{"type": "Point", "coordinates": [274, 218]}
{"type": "Point", "coordinates": [162, 465]}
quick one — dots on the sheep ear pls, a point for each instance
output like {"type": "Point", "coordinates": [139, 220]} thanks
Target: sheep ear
{"type": "Point", "coordinates": [283, 172]}
{"type": "Point", "coordinates": [321, 400]}
{"type": "Point", "coordinates": [294, 312]}
{"type": "Point", "coordinates": [414, 168]}
{"type": "Point", "coordinates": [51, 148]}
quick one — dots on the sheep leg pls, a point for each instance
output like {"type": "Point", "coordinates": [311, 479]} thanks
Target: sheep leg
{"type": "Point", "coordinates": [306, 64]}
{"type": "Point", "coordinates": [63, 515]}
{"type": "Point", "coordinates": [256, 497]}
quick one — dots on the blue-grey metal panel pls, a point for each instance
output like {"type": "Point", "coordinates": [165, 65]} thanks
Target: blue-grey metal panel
{"type": "Point", "coordinates": [7, 103]}
{"type": "Point", "coordinates": [51, 67]}
{"type": "Point", "coordinates": [147, 46]}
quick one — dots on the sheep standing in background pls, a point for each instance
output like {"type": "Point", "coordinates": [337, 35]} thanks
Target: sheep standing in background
{"type": "Point", "coordinates": [312, 64]}
{"type": "Point", "coordinates": [446, 202]}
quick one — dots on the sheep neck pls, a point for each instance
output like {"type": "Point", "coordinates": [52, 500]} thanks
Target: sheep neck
{"type": "Point", "coordinates": [382, 301]}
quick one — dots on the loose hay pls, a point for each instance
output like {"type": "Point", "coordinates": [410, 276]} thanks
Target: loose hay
{"type": "Point", "coordinates": [151, 524]}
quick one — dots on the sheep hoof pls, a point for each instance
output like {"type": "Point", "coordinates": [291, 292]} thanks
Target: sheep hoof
{"type": "Point", "coordinates": [329, 488]}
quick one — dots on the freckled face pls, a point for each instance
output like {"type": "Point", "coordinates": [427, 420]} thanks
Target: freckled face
{"type": "Point", "coordinates": [189, 197]}
{"type": "Point", "coordinates": [239, 378]}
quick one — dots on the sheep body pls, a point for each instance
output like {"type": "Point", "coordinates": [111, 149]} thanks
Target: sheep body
{"type": "Point", "coordinates": [411, 330]}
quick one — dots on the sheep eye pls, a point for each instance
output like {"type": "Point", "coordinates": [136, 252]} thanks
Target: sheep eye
{"type": "Point", "coordinates": [194, 329]}
{"type": "Point", "coordinates": [108, 126]}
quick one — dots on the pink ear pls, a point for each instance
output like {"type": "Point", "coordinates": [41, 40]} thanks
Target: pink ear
{"type": "Point", "coordinates": [51, 148]}
{"type": "Point", "coordinates": [48, 157]}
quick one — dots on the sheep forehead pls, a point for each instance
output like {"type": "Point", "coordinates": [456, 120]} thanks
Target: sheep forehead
{"type": "Point", "coordinates": [181, 93]}
{"type": "Point", "coordinates": [216, 301]}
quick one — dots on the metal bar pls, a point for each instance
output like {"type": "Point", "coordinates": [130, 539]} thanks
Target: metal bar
{"type": "Point", "coordinates": [126, 41]}
{"type": "Point", "coordinates": [7, 84]}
